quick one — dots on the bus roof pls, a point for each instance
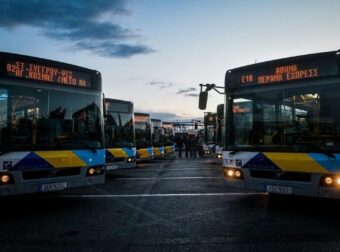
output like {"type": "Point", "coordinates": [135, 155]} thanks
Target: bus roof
{"type": "Point", "coordinates": [117, 101]}
{"type": "Point", "coordinates": [156, 120]}
{"type": "Point", "coordinates": [141, 114]}
{"type": "Point", "coordinates": [33, 69]}
{"type": "Point", "coordinates": [47, 61]}
{"type": "Point", "coordinates": [310, 66]}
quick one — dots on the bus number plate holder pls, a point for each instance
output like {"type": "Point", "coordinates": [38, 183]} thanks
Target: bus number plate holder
{"type": "Point", "coordinates": [53, 187]}
{"type": "Point", "coordinates": [279, 189]}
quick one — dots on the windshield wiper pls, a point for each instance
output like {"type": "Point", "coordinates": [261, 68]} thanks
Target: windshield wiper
{"type": "Point", "coordinates": [94, 150]}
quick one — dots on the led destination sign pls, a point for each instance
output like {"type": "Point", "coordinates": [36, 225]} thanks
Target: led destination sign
{"type": "Point", "coordinates": [285, 70]}
{"type": "Point", "coordinates": [282, 73]}
{"type": "Point", "coordinates": [40, 72]}
{"type": "Point", "coordinates": [141, 118]}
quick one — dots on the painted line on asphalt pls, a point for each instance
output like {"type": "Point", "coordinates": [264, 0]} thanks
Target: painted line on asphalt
{"type": "Point", "coordinates": [159, 195]}
{"type": "Point", "coordinates": [169, 169]}
{"type": "Point", "coordinates": [168, 178]}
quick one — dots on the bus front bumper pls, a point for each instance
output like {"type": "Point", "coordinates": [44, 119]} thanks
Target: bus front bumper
{"type": "Point", "coordinates": [311, 188]}
{"type": "Point", "coordinates": [51, 184]}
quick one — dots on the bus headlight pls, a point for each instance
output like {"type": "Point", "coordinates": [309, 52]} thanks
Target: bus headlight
{"type": "Point", "coordinates": [6, 178]}
{"type": "Point", "coordinates": [219, 156]}
{"type": "Point", "coordinates": [330, 180]}
{"type": "Point", "coordinates": [130, 160]}
{"type": "Point", "coordinates": [230, 173]}
{"type": "Point", "coordinates": [93, 171]}
{"type": "Point", "coordinates": [233, 173]}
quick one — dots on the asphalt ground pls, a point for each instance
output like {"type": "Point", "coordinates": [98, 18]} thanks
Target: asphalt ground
{"type": "Point", "coordinates": [167, 205]}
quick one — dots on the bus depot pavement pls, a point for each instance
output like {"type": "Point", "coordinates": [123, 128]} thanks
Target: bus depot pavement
{"type": "Point", "coordinates": [168, 205]}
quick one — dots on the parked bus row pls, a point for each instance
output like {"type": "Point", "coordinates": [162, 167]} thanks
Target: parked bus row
{"type": "Point", "coordinates": [130, 136]}
{"type": "Point", "coordinates": [57, 131]}
{"type": "Point", "coordinates": [282, 125]}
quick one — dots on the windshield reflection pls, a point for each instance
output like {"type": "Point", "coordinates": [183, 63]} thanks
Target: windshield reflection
{"type": "Point", "coordinates": [303, 119]}
{"type": "Point", "coordinates": [32, 119]}
{"type": "Point", "coordinates": [119, 130]}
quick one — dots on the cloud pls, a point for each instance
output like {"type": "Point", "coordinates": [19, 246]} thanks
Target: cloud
{"type": "Point", "coordinates": [110, 49]}
{"type": "Point", "coordinates": [188, 92]}
{"type": "Point", "coordinates": [162, 84]}
{"type": "Point", "coordinates": [165, 116]}
{"type": "Point", "coordinates": [191, 95]}
{"type": "Point", "coordinates": [80, 22]}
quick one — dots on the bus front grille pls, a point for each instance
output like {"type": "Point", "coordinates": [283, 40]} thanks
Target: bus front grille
{"type": "Point", "coordinates": [281, 175]}
{"type": "Point", "coordinates": [27, 175]}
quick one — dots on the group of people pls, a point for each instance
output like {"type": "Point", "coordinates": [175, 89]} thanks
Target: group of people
{"type": "Point", "coordinates": [192, 144]}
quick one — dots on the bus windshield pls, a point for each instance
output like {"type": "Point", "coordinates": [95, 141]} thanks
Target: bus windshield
{"type": "Point", "coordinates": [119, 129]}
{"type": "Point", "coordinates": [35, 118]}
{"type": "Point", "coordinates": [157, 134]}
{"type": "Point", "coordinates": [300, 118]}
{"type": "Point", "coordinates": [143, 134]}
{"type": "Point", "coordinates": [168, 136]}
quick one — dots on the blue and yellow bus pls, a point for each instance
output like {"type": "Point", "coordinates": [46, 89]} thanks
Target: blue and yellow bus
{"type": "Point", "coordinates": [143, 136]}
{"type": "Point", "coordinates": [283, 126]}
{"type": "Point", "coordinates": [119, 134]}
{"type": "Point", "coordinates": [168, 136]}
{"type": "Point", "coordinates": [157, 138]}
{"type": "Point", "coordinates": [220, 129]}
{"type": "Point", "coordinates": [51, 126]}
{"type": "Point", "coordinates": [210, 120]}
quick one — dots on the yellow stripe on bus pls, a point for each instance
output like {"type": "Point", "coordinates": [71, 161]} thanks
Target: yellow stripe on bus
{"type": "Point", "coordinates": [61, 159]}
{"type": "Point", "coordinates": [157, 151]}
{"type": "Point", "coordinates": [118, 152]}
{"type": "Point", "coordinates": [169, 149]}
{"type": "Point", "coordinates": [298, 162]}
{"type": "Point", "coordinates": [143, 153]}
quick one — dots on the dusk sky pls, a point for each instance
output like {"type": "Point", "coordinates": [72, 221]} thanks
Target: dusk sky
{"type": "Point", "coordinates": [156, 52]}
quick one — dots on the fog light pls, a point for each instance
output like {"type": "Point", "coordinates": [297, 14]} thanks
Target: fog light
{"type": "Point", "coordinates": [91, 171]}
{"type": "Point", "coordinates": [5, 179]}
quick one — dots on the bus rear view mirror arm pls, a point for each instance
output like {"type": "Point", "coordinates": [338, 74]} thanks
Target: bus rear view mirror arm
{"type": "Point", "coordinates": [203, 96]}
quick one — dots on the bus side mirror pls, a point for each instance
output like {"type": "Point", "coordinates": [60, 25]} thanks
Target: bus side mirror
{"type": "Point", "coordinates": [202, 101]}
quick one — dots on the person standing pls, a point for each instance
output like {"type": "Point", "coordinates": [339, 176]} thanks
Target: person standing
{"type": "Point", "coordinates": [200, 145]}
{"type": "Point", "coordinates": [179, 144]}
{"type": "Point", "coordinates": [187, 144]}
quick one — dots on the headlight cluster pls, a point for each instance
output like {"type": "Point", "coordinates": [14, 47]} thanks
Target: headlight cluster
{"type": "Point", "coordinates": [6, 179]}
{"type": "Point", "coordinates": [219, 156]}
{"type": "Point", "coordinates": [130, 160]}
{"type": "Point", "coordinates": [330, 180]}
{"type": "Point", "coordinates": [94, 171]}
{"type": "Point", "coordinates": [233, 173]}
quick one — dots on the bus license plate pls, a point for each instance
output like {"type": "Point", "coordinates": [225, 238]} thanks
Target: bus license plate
{"type": "Point", "coordinates": [111, 167]}
{"type": "Point", "coordinates": [53, 187]}
{"type": "Point", "coordinates": [279, 189]}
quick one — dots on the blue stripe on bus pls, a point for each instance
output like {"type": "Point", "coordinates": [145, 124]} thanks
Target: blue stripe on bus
{"type": "Point", "coordinates": [91, 158]}
{"type": "Point", "coordinates": [330, 164]}
{"type": "Point", "coordinates": [150, 151]}
{"type": "Point", "coordinates": [260, 161]}
{"type": "Point", "coordinates": [130, 152]}
{"type": "Point", "coordinates": [31, 161]}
